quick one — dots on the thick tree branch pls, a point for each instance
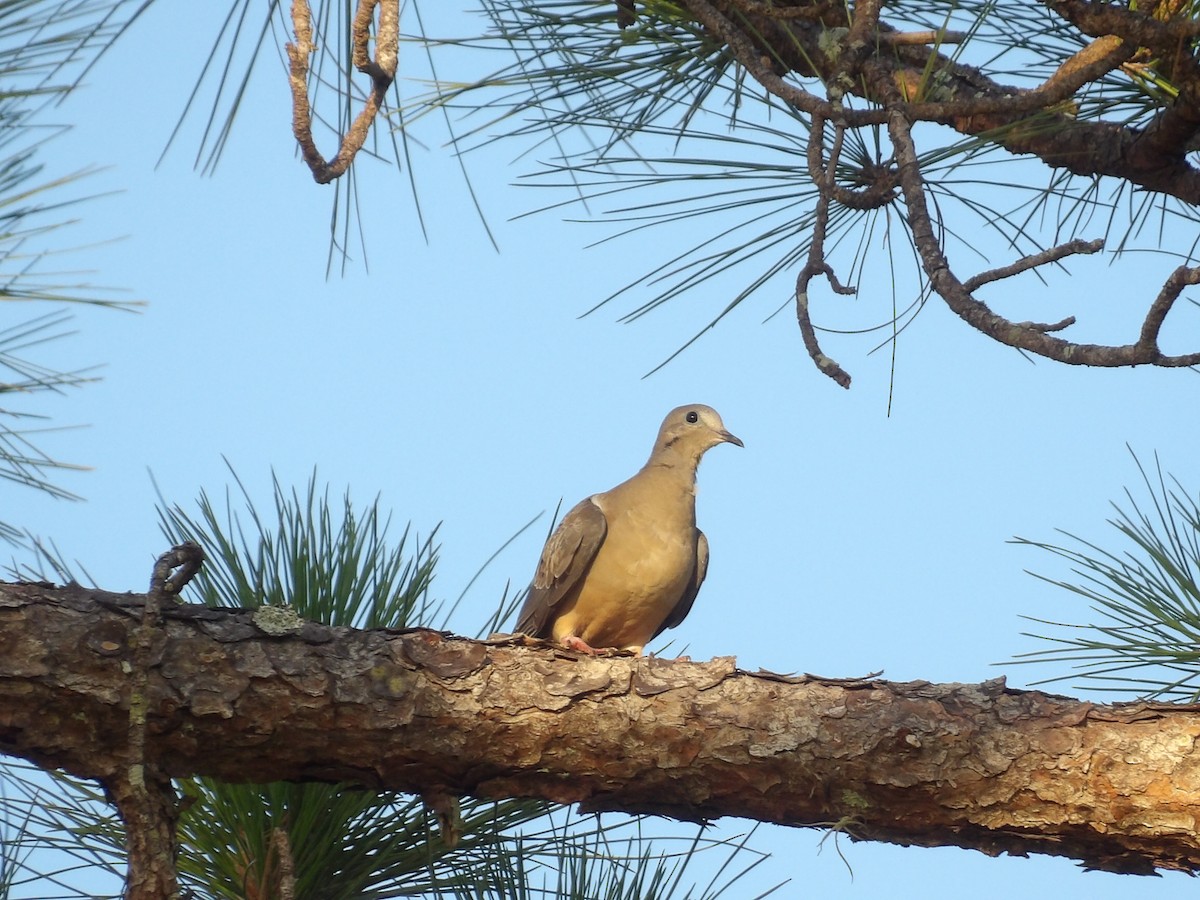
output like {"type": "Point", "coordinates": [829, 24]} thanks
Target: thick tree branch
{"type": "Point", "coordinates": [1022, 120]}
{"type": "Point", "coordinates": [233, 696]}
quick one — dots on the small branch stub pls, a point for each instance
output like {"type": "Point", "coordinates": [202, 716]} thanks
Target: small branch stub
{"type": "Point", "coordinates": [175, 568]}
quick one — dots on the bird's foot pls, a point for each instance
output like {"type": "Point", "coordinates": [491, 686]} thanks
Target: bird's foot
{"type": "Point", "coordinates": [577, 643]}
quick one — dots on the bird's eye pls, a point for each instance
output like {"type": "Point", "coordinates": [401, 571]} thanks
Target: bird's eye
{"type": "Point", "coordinates": [692, 417]}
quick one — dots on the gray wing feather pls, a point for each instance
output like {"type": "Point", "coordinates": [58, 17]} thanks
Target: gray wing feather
{"type": "Point", "coordinates": [565, 558]}
{"type": "Point", "coordinates": [684, 606]}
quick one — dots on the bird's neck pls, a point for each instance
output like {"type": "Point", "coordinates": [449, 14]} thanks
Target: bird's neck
{"type": "Point", "coordinates": [673, 463]}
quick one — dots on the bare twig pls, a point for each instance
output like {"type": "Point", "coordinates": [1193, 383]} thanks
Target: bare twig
{"type": "Point", "coordinates": [822, 172]}
{"type": "Point", "coordinates": [142, 791]}
{"type": "Point", "coordinates": [285, 884]}
{"type": "Point", "coordinates": [768, 43]}
{"type": "Point", "coordinates": [185, 560]}
{"type": "Point", "coordinates": [381, 69]}
{"type": "Point", "coordinates": [1048, 326]}
{"type": "Point", "coordinates": [1025, 263]}
{"type": "Point", "coordinates": [1179, 279]}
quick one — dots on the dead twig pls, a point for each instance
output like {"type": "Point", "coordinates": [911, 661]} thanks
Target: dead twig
{"type": "Point", "coordinates": [822, 172]}
{"type": "Point", "coordinates": [184, 560]}
{"type": "Point", "coordinates": [142, 791]}
{"type": "Point", "coordinates": [381, 69]}
{"type": "Point", "coordinates": [922, 38]}
{"type": "Point", "coordinates": [772, 44]}
{"type": "Point", "coordinates": [1148, 339]}
{"type": "Point", "coordinates": [1025, 263]}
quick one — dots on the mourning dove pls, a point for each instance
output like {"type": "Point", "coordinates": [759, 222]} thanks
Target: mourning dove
{"type": "Point", "coordinates": [625, 565]}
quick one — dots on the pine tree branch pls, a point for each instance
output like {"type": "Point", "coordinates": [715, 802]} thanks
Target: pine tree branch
{"type": "Point", "coordinates": [240, 696]}
{"type": "Point", "coordinates": [1021, 120]}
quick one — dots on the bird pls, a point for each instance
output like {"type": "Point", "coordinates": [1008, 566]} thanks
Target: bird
{"type": "Point", "coordinates": [626, 564]}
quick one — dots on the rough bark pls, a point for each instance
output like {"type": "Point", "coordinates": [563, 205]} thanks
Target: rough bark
{"type": "Point", "coordinates": [248, 696]}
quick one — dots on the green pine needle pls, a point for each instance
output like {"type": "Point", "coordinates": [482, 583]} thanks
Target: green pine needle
{"type": "Point", "coordinates": [1145, 638]}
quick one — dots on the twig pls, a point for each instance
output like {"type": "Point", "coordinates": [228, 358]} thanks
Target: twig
{"type": "Point", "coordinates": [824, 363]}
{"type": "Point", "coordinates": [1179, 279]}
{"type": "Point", "coordinates": [1025, 263]}
{"type": "Point", "coordinates": [142, 791]}
{"type": "Point", "coordinates": [761, 41]}
{"type": "Point", "coordinates": [381, 69]}
{"type": "Point", "coordinates": [1029, 336]}
{"type": "Point", "coordinates": [286, 883]}
{"type": "Point", "coordinates": [185, 559]}
{"type": "Point", "coordinates": [822, 173]}
{"type": "Point", "coordinates": [1048, 326]}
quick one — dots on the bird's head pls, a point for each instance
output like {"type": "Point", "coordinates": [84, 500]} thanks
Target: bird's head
{"type": "Point", "coordinates": [690, 430]}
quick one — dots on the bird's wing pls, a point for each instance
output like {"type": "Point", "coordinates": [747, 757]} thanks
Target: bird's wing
{"type": "Point", "coordinates": [565, 558]}
{"type": "Point", "coordinates": [684, 606]}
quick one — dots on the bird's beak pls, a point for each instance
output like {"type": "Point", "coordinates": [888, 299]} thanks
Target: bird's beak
{"type": "Point", "coordinates": [730, 438]}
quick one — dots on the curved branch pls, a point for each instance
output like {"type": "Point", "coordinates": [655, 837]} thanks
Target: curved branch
{"type": "Point", "coordinates": [1028, 336]}
{"type": "Point", "coordinates": [1148, 339]}
{"type": "Point", "coordinates": [821, 171]}
{"type": "Point", "coordinates": [140, 789]}
{"type": "Point", "coordinates": [381, 69]}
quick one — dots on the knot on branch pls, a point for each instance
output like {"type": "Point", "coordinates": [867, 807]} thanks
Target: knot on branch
{"type": "Point", "coordinates": [875, 186]}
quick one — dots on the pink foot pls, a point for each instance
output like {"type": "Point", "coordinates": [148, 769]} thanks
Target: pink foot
{"type": "Point", "coordinates": [576, 643]}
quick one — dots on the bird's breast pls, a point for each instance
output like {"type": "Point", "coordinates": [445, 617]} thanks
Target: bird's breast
{"type": "Point", "coordinates": [655, 550]}
{"type": "Point", "coordinates": [638, 576]}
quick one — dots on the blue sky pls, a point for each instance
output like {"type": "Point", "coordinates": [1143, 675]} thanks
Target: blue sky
{"type": "Point", "coordinates": [461, 385]}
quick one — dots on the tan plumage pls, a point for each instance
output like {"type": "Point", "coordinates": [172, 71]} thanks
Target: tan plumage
{"type": "Point", "coordinates": [625, 565]}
